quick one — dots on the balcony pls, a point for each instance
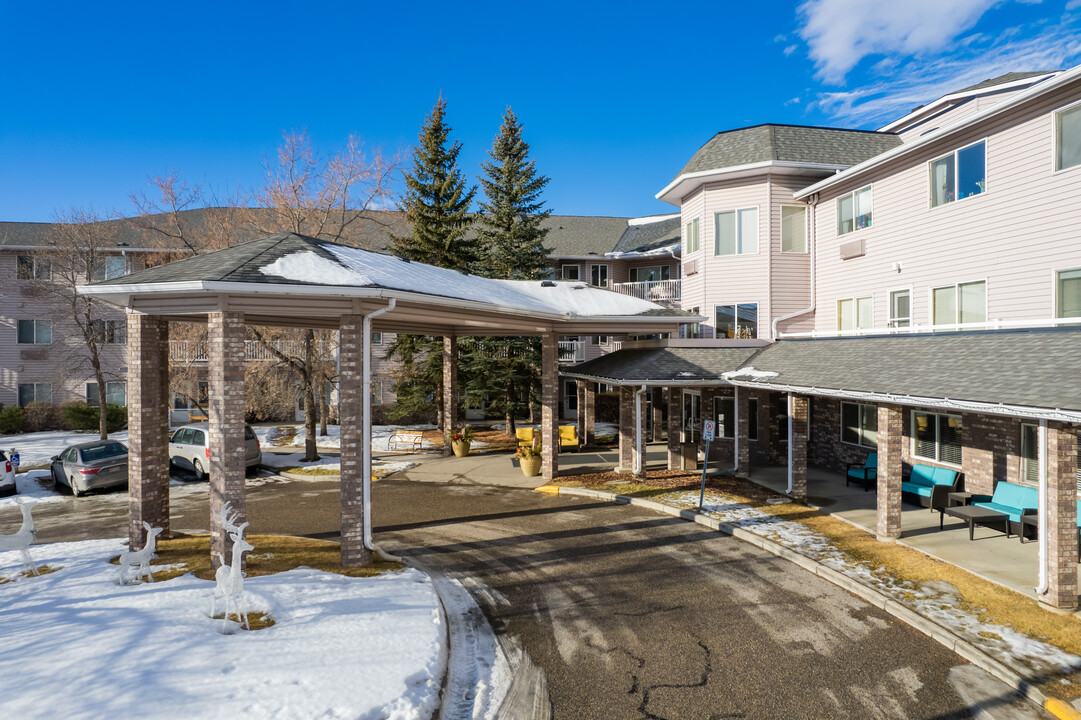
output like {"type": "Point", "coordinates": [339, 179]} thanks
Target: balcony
{"type": "Point", "coordinates": [662, 292]}
{"type": "Point", "coordinates": [572, 351]}
{"type": "Point", "coordinates": [186, 351]}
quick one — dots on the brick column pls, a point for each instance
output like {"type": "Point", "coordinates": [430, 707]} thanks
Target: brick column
{"type": "Point", "coordinates": [675, 413]}
{"type": "Point", "coordinates": [550, 406]}
{"type": "Point", "coordinates": [799, 413]}
{"type": "Point", "coordinates": [743, 427]}
{"type": "Point", "coordinates": [1062, 516]}
{"type": "Point", "coordinates": [580, 421]}
{"type": "Point", "coordinates": [225, 442]}
{"type": "Point", "coordinates": [148, 427]}
{"type": "Point", "coordinates": [589, 436]}
{"type": "Point", "coordinates": [626, 429]}
{"type": "Point", "coordinates": [450, 391]}
{"type": "Point", "coordinates": [658, 414]}
{"type": "Point", "coordinates": [351, 415]}
{"type": "Point", "coordinates": [890, 443]}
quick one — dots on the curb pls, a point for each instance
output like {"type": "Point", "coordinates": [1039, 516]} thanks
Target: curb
{"type": "Point", "coordinates": [933, 630]}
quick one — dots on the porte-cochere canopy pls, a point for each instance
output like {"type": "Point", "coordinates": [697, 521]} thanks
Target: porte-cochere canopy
{"type": "Point", "coordinates": [293, 280]}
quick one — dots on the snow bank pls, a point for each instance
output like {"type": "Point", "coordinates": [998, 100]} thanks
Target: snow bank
{"type": "Point", "coordinates": [28, 486]}
{"type": "Point", "coordinates": [271, 437]}
{"type": "Point", "coordinates": [76, 645]}
{"type": "Point", "coordinates": [650, 219]}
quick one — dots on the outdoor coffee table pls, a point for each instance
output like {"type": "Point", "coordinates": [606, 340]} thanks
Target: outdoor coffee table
{"type": "Point", "coordinates": [974, 516]}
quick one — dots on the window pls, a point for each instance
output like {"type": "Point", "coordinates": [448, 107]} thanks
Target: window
{"type": "Point", "coordinates": [752, 419]}
{"type": "Point", "coordinates": [29, 267]}
{"type": "Point", "coordinates": [859, 424]}
{"type": "Point", "coordinates": [599, 275]}
{"type": "Point", "coordinates": [959, 175]}
{"type": "Point", "coordinates": [724, 409]}
{"type": "Point", "coordinates": [737, 321]}
{"type": "Point", "coordinates": [1068, 293]}
{"type": "Point", "coordinates": [35, 332]}
{"type": "Point", "coordinates": [1030, 454]}
{"type": "Point", "coordinates": [570, 395]}
{"type": "Point", "coordinates": [959, 304]}
{"type": "Point", "coordinates": [377, 338]}
{"type": "Point", "coordinates": [570, 272]}
{"type": "Point", "coordinates": [793, 229]}
{"type": "Point", "coordinates": [854, 211]}
{"type": "Point", "coordinates": [692, 331]}
{"type": "Point", "coordinates": [653, 273]}
{"type": "Point", "coordinates": [109, 268]}
{"type": "Point", "coordinates": [737, 232]}
{"type": "Point", "coordinates": [600, 339]}
{"type": "Point", "coordinates": [855, 314]}
{"type": "Point", "coordinates": [693, 240]}
{"type": "Point", "coordinates": [1068, 138]}
{"type": "Point", "coordinates": [377, 392]}
{"type": "Point", "coordinates": [691, 416]}
{"type": "Point", "coordinates": [110, 332]}
{"type": "Point", "coordinates": [35, 392]}
{"type": "Point", "coordinates": [936, 437]}
{"type": "Point", "coordinates": [116, 393]}
{"type": "Point", "coordinates": [900, 308]}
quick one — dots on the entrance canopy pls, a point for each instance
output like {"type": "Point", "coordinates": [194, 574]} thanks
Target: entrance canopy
{"type": "Point", "coordinates": [293, 280]}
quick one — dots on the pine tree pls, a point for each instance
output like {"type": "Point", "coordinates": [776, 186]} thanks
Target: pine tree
{"type": "Point", "coordinates": [510, 229]}
{"type": "Point", "coordinates": [436, 200]}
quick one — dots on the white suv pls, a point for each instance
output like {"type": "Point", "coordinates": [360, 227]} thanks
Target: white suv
{"type": "Point", "coordinates": [7, 476]}
{"type": "Point", "coordinates": [188, 449]}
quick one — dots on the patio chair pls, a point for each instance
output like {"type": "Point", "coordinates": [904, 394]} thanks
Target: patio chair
{"type": "Point", "coordinates": [931, 486]}
{"type": "Point", "coordinates": [525, 437]}
{"type": "Point", "coordinates": [568, 437]}
{"type": "Point", "coordinates": [865, 474]}
{"type": "Point", "coordinates": [1013, 501]}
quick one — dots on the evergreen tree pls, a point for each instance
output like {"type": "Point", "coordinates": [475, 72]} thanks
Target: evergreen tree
{"type": "Point", "coordinates": [510, 229]}
{"type": "Point", "coordinates": [436, 200]}
{"type": "Point", "coordinates": [505, 372]}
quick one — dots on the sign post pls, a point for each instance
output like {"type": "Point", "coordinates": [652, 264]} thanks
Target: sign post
{"type": "Point", "coordinates": [708, 428]}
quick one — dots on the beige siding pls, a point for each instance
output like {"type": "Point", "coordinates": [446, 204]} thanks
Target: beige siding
{"type": "Point", "coordinates": [955, 113]}
{"type": "Point", "coordinates": [1027, 224]}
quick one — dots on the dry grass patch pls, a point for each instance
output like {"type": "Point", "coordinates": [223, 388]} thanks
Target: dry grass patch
{"type": "Point", "coordinates": [42, 570]}
{"type": "Point", "coordinates": [256, 621]}
{"type": "Point", "coordinates": [273, 554]}
{"type": "Point", "coordinates": [314, 471]}
{"type": "Point", "coordinates": [287, 435]}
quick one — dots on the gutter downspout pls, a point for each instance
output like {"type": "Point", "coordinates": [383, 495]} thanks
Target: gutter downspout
{"type": "Point", "coordinates": [790, 473]}
{"type": "Point", "coordinates": [812, 246]}
{"type": "Point", "coordinates": [1041, 589]}
{"type": "Point", "coordinates": [639, 449]}
{"type": "Point", "coordinates": [366, 463]}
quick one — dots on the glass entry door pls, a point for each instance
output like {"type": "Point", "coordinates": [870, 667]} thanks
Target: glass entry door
{"type": "Point", "coordinates": [692, 416]}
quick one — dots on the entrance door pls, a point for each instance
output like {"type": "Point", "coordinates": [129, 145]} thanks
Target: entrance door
{"type": "Point", "coordinates": [692, 416]}
{"type": "Point", "coordinates": [570, 399]}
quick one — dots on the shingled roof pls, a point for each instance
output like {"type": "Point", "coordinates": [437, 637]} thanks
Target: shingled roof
{"type": "Point", "coordinates": [646, 236]}
{"type": "Point", "coordinates": [1002, 80]}
{"type": "Point", "coordinates": [1031, 368]}
{"type": "Point", "coordinates": [788, 143]}
{"type": "Point", "coordinates": [668, 366]}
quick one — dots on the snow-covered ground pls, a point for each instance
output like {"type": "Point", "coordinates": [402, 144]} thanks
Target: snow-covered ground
{"type": "Point", "coordinates": [40, 447]}
{"type": "Point", "coordinates": [938, 601]}
{"type": "Point", "coordinates": [292, 460]}
{"type": "Point", "coordinates": [77, 645]}
{"type": "Point", "coordinates": [271, 436]}
{"type": "Point", "coordinates": [29, 487]}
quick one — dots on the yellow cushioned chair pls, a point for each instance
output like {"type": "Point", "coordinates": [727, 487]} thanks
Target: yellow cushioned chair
{"type": "Point", "coordinates": [525, 437]}
{"type": "Point", "coordinates": [568, 437]}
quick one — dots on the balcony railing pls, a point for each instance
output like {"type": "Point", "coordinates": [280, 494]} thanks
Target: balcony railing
{"type": "Point", "coordinates": [572, 351]}
{"type": "Point", "coordinates": [189, 351]}
{"type": "Point", "coordinates": [663, 292]}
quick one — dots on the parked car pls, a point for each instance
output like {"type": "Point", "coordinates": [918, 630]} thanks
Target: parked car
{"type": "Point", "coordinates": [7, 476]}
{"type": "Point", "coordinates": [91, 466]}
{"type": "Point", "coordinates": [188, 449]}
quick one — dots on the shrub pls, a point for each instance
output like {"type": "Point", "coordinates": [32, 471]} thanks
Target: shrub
{"type": "Point", "coordinates": [12, 420]}
{"type": "Point", "coordinates": [43, 416]}
{"type": "Point", "coordinates": [81, 416]}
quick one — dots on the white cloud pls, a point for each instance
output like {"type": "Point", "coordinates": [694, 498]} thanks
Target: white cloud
{"type": "Point", "coordinates": [790, 49]}
{"type": "Point", "coordinates": [840, 33]}
{"type": "Point", "coordinates": [1073, 5]}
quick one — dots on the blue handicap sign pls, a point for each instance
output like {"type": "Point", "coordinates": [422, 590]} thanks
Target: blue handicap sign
{"type": "Point", "coordinates": [14, 458]}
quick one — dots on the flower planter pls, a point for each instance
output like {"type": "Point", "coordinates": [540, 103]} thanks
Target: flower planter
{"type": "Point", "coordinates": [460, 448]}
{"type": "Point", "coordinates": [531, 467]}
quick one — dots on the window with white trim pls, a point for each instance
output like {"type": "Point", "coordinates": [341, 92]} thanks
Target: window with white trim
{"type": "Point", "coordinates": [108, 268]}
{"type": "Point", "coordinates": [736, 232]}
{"type": "Point", "coordinates": [570, 395]}
{"type": "Point", "coordinates": [693, 238]}
{"type": "Point", "coordinates": [691, 331]}
{"type": "Point", "coordinates": [854, 211]}
{"type": "Point", "coordinates": [1030, 454]}
{"type": "Point", "coordinates": [1068, 293]}
{"type": "Point", "coordinates": [116, 393]}
{"type": "Point", "coordinates": [377, 338]}
{"type": "Point", "coordinates": [855, 314]}
{"type": "Point", "coordinates": [737, 321]}
{"type": "Point", "coordinates": [651, 273]}
{"type": "Point", "coordinates": [35, 332]}
{"type": "Point", "coordinates": [900, 308]}
{"type": "Point", "coordinates": [724, 412]}
{"type": "Point", "coordinates": [110, 332]}
{"type": "Point", "coordinates": [959, 175]}
{"type": "Point", "coordinates": [31, 267]}
{"type": "Point", "coordinates": [793, 229]}
{"type": "Point", "coordinates": [1068, 137]}
{"type": "Point", "coordinates": [936, 437]}
{"type": "Point", "coordinates": [570, 272]}
{"type": "Point", "coordinates": [600, 339]}
{"type": "Point", "coordinates": [859, 424]}
{"type": "Point", "coordinates": [35, 392]}
{"type": "Point", "coordinates": [598, 275]}
{"type": "Point", "coordinates": [377, 392]}
{"type": "Point", "coordinates": [959, 304]}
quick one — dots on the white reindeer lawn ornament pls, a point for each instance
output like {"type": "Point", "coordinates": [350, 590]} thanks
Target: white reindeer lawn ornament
{"type": "Point", "coordinates": [230, 578]}
{"type": "Point", "coordinates": [22, 539]}
{"type": "Point", "coordinates": [142, 558]}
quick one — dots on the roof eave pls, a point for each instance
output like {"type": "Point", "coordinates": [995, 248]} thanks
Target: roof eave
{"type": "Point", "coordinates": [679, 188]}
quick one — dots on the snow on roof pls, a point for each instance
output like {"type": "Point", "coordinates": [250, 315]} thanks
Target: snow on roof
{"type": "Point", "coordinates": [651, 219]}
{"type": "Point", "coordinates": [664, 250]}
{"type": "Point", "coordinates": [361, 268]}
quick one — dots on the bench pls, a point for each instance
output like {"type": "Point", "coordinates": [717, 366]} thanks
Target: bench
{"type": "Point", "coordinates": [865, 474]}
{"type": "Point", "coordinates": [930, 486]}
{"type": "Point", "coordinates": [1013, 501]}
{"type": "Point", "coordinates": [414, 440]}
{"type": "Point", "coordinates": [568, 437]}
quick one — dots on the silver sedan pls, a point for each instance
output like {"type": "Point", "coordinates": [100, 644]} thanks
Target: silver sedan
{"type": "Point", "coordinates": [91, 466]}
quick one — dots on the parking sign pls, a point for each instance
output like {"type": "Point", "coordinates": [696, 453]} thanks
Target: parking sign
{"type": "Point", "coordinates": [708, 428]}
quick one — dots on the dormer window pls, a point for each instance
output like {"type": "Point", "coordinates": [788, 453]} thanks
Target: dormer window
{"type": "Point", "coordinates": [854, 211]}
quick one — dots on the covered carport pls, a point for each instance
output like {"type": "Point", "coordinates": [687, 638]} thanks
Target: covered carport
{"type": "Point", "coordinates": [290, 280]}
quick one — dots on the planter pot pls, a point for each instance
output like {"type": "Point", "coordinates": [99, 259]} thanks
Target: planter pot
{"type": "Point", "coordinates": [531, 467]}
{"type": "Point", "coordinates": [461, 449]}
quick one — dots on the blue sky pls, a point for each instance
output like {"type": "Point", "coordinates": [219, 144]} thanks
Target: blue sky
{"type": "Point", "coordinates": [614, 98]}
